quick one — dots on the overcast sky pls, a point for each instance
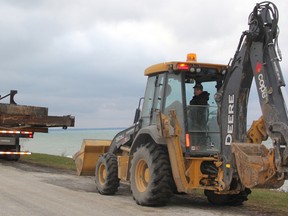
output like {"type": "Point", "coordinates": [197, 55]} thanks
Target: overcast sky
{"type": "Point", "coordinates": [86, 57]}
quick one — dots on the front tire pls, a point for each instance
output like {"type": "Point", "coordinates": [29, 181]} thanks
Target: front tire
{"type": "Point", "coordinates": [106, 174]}
{"type": "Point", "coordinates": [150, 175]}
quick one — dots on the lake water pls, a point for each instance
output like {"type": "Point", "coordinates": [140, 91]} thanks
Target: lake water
{"type": "Point", "coordinates": [64, 142]}
{"type": "Point", "coordinates": [68, 142]}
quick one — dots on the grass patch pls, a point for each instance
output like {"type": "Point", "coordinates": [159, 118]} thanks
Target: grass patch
{"type": "Point", "coordinates": [270, 200]}
{"type": "Point", "coordinates": [53, 161]}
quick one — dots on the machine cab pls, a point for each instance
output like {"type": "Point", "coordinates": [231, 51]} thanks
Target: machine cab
{"type": "Point", "coordinates": [170, 86]}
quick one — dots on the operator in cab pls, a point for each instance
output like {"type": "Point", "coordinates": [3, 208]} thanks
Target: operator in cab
{"type": "Point", "coordinates": [200, 97]}
{"type": "Point", "coordinates": [199, 109]}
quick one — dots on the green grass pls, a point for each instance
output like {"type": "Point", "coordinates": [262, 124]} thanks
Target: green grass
{"type": "Point", "coordinates": [270, 200]}
{"type": "Point", "coordinates": [53, 161]}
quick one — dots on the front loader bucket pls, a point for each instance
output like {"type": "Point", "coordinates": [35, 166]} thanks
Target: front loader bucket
{"type": "Point", "coordinates": [255, 165]}
{"type": "Point", "coordinates": [86, 158]}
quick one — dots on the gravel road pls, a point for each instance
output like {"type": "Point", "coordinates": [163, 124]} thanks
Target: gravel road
{"type": "Point", "coordinates": [28, 190]}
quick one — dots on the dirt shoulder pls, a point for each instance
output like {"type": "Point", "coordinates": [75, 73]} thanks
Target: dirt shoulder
{"type": "Point", "coordinates": [35, 167]}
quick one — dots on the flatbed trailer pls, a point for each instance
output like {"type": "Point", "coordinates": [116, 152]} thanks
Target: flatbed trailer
{"type": "Point", "coordinates": [22, 121]}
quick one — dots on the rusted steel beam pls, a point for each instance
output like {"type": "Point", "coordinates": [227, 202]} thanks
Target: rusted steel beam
{"type": "Point", "coordinates": [31, 118]}
{"type": "Point", "coordinates": [23, 110]}
{"type": "Point", "coordinates": [7, 120]}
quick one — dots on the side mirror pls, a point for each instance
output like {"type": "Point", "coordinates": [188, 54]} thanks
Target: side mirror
{"type": "Point", "coordinates": [137, 115]}
{"type": "Point", "coordinates": [138, 111]}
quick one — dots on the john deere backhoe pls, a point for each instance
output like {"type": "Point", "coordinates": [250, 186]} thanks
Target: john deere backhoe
{"type": "Point", "coordinates": [167, 149]}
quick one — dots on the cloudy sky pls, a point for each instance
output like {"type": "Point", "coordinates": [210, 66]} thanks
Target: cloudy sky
{"type": "Point", "coordinates": [86, 57]}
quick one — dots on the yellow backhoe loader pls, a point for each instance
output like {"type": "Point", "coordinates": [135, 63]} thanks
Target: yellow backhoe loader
{"type": "Point", "coordinates": [176, 144]}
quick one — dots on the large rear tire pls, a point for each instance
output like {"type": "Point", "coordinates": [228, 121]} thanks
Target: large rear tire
{"type": "Point", "coordinates": [106, 174]}
{"type": "Point", "coordinates": [150, 175]}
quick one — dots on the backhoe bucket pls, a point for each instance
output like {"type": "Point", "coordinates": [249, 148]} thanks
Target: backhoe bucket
{"type": "Point", "coordinates": [255, 165]}
{"type": "Point", "coordinates": [86, 158]}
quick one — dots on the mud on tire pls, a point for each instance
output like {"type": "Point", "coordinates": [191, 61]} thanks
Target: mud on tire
{"type": "Point", "coordinates": [150, 175]}
{"type": "Point", "coordinates": [106, 174]}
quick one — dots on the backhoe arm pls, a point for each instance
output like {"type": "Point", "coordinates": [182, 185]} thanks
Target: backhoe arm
{"type": "Point", "coordinates": [256, 56]}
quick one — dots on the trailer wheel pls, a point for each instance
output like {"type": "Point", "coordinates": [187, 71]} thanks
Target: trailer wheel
{"type": "Point", "coordinates": [227, 199]}
{"type": "Point", "coordinates": [150, 175]}
{"type": "Point", "coordinates": [13, 157]}
{"type": "Point", "coordinates": [106, 174]}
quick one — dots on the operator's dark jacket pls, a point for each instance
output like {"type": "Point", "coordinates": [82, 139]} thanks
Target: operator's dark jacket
{"type": "Point", "coordinates": [200, 99]}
